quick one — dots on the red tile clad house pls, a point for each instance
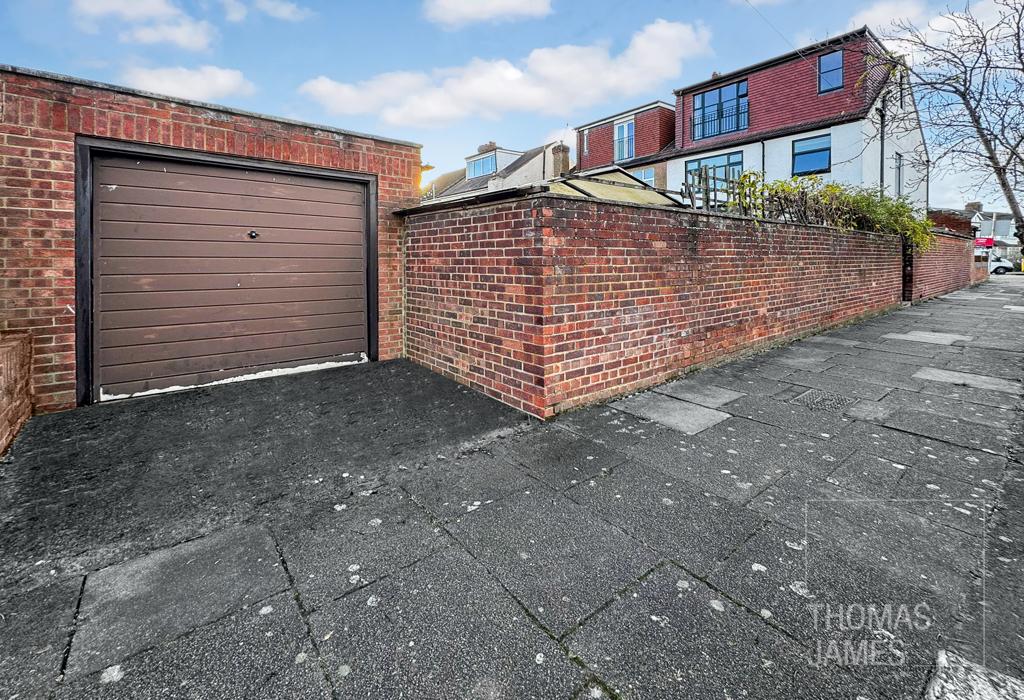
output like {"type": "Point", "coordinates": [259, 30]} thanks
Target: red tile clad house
{"type": "Point", "coordinates": [634, 134]}
{"type": "Point", "coordinates": [814, 111]}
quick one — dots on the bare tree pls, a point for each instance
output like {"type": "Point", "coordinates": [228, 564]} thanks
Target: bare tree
{"type": "Point", "coordinates": [966, 69]}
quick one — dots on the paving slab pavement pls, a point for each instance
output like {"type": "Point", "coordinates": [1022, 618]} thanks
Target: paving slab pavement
{"type": "Point", "coordinates": [784, 525]}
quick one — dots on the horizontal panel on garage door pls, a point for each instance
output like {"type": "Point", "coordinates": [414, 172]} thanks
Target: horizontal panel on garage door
{"type": "Point", "coordinates": [205, 272]}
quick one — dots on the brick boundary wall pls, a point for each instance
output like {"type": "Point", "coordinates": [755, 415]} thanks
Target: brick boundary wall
{"type": "Point", "coordinates": [40, 117]}
{"type": "Point", "coordinates": [551, 302]}
{"type": "Point", "coordinates": [948, 266]}
{"type": "Point", "coordinates": [15, 385]}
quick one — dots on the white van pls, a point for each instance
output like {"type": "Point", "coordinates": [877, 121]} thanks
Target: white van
{"type": "Point", "coordinates": [998, 265]}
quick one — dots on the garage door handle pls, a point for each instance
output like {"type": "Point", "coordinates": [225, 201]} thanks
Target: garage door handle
{"type": "Point", "coordinates": [253, 234]}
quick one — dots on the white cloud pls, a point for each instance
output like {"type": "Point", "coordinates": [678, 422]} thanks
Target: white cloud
{"type": "Point", "coordinates": [234, 11]}
{"type": "Point", "coordinates": [184, 32]}
{"type": "Point", "coordinates": [457, 13]}
{"type": "Point", "coordinates": [129, 10]}
{"type": "Point", "coordinates": [881, 15]}
{"type": "Point", "coordinates": [148, 22]}
{"type": "Point", "coordinates": [554, 81]}
{"type": "Point", "coordinates": [282, 9]}
{"type": "Point", "coordinates": [204, 84]}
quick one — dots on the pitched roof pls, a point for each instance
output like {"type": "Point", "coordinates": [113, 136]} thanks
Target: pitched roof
{"type": "Point", "coordinates": [460, 185]}
{"type": "Point", "coordinates": [776, 60]}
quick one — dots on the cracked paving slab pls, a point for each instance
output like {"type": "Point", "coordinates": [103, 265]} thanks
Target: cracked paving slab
{"type": "Point", "coordinates": [676, 518]}
{"type": "Point", "coordinates": [449, 488]}
{"type": "Point", "coordinates": [879, 531]}
{"type": "Point", "coordinates": [553, 555]}
{"type": "Point", "coordinates": [673, 636]}
{"type": "Point", "coordinates": [440, 629]}
{"type": "Point", "coordinates": [738, 458]}
{"type": "Point", "coordinates": [905, 448]}
{"type": "Point", "coordinates": [355, 542]}
{"type": "Point", "coordinates": [261, 651]}
{"type": "Point", "coordinates": [34, 632]}
{"type": "Point", "coordinates": [681, 416]}
{"type": "Point", "coordinates": [929, 337]}
{"type": "Point", "coordinates": [976, 381]}
{"type": "Point", "coordinates": [153, 599]}
{"type": "Point", "coordinates": [709, 396]}
{"type": "Point", "coordinates": [816, 592]}
{"type": "Point", "coordinates": [558, 457]}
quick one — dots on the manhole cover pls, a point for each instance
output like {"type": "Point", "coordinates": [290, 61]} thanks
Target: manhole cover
{"type": "Point", "coordinates": [824, 400]}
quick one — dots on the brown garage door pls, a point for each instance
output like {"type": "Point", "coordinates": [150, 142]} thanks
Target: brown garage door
{"type": "Point", "coordinates": [203, 273]}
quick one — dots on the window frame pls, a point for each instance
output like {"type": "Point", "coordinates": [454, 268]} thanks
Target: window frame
{"type": "Point", "coordinates": [742, 109]}
{"type": "Point", "coordinates": [629, 131]}
{"type": "Point", "coordinates": [898, 167]}
{"type": "Point", "coordinates": [842, 77]}
{"type": "Point", "coordinates": [726, 165]}
{"type": "Point", "coordinates": [637, 173]}
{"type": "Point", "coordinates": [493, 157]}
{"type": "Point", "coordinates": [820, 171]}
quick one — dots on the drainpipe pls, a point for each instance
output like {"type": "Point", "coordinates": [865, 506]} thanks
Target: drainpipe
{"type": "Point", "coordinates": [764, 166]}
{"type": "Point", "coordinates": [881, 146]}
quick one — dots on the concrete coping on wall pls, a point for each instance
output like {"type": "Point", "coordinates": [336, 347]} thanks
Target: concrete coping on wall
{"type": "Point", "coordinates": [533, 192]}
{"type": "Point", "coordinates": [96, 85]}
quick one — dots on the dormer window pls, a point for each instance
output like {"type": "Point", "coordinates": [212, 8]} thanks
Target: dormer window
{"type": "Point", "coordinates": [830, 71]}
{"type": "Point", "coordinates": [624, 140]}
{"type": "Point", "coordinates": [720, 111]}
{"type": "Point", "coordinates": [484, 165]}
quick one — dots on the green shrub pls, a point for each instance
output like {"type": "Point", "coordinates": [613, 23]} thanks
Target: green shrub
{"type": "Point", "coordinates": [810, 200]}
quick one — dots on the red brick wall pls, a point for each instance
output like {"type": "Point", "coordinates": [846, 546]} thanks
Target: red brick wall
{"type": "Point", "coordinates": [951, 220]}
{"type": "Point", "coordinates": [948, 266]}
{"type": "Point", "coordinates": [653, 129]}
{"type": "Point", "coordinates": [786, 95]}
{"type": "Point", "coordinates": [599, 299]}
{"type": "Point", "coordinates": [39, 119]}
{"type": "Point", "coordinates": [15, 385]}
{"type": "Point", "coordinates": [979, 272]}
{"type": "Point", "coordinates": [474, 305]}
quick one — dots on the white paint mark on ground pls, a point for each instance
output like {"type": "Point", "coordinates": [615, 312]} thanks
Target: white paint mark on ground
{"type": "Point", "coordinates": [717, 605]}
{"type": "Point", "coordinates": [280, 372]}
{"type": "Point", "coordinates": [111, 674]}
{"type": "Point", "coordinates": [758, 567]}
{"type": "Point", "coordinates": [266, 609]}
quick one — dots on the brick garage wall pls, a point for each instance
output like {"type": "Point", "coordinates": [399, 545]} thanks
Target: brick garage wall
{"type": "Point", "coordinates": [474, 299]}
{"type": "Point", "coordinates": [948, 266]}
{"type": "Point", "coordinates": [552, 302]}
{"type": "Point", "coordinates": [39, 120]}
{"type": "Point", "coordinates": [15, 384]}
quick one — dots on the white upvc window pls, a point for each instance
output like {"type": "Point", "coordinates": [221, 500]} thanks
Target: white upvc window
{"type": "Point", "coordinates": [645, 174]}
{"type": "Point", "coordinates": [624, 140]}
{"type": "Point", "coordinates": [586, 141]}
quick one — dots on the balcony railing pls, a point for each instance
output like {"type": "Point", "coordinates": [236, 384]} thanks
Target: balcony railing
{"type": "Point", "coordinates": [624, 148]}
{"type": "Point", "coordinates": [727, 119]}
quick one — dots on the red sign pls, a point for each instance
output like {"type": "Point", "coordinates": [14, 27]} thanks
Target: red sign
{"type": "Point", "coordinates": [984, 242]}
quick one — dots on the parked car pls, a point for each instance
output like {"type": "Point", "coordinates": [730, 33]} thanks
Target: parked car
{"type": "Point", "coordinates": [998, 265]}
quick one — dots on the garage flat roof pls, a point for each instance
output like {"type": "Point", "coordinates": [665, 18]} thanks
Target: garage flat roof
{"type": "Point", "coordinates": [31, 72]}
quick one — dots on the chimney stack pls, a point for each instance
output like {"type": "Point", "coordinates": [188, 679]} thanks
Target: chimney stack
{"type": "Point", "coordinates": [489, 146]}
{"type": "Point", "coordinates": [559, 160]}
{"type": "Point", "coordinates": [973, 206]}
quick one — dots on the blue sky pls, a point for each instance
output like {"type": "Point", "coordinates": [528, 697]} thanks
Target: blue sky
{"type": "Point", "coordinates": [450, 74]}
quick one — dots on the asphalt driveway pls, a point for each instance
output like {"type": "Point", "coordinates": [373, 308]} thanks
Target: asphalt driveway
{"type": "Point", "coordinates": [816, 521]}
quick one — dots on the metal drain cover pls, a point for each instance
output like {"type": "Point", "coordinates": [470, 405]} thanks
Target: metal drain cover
{"type": "Point", "coordinates": [824, 400]}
